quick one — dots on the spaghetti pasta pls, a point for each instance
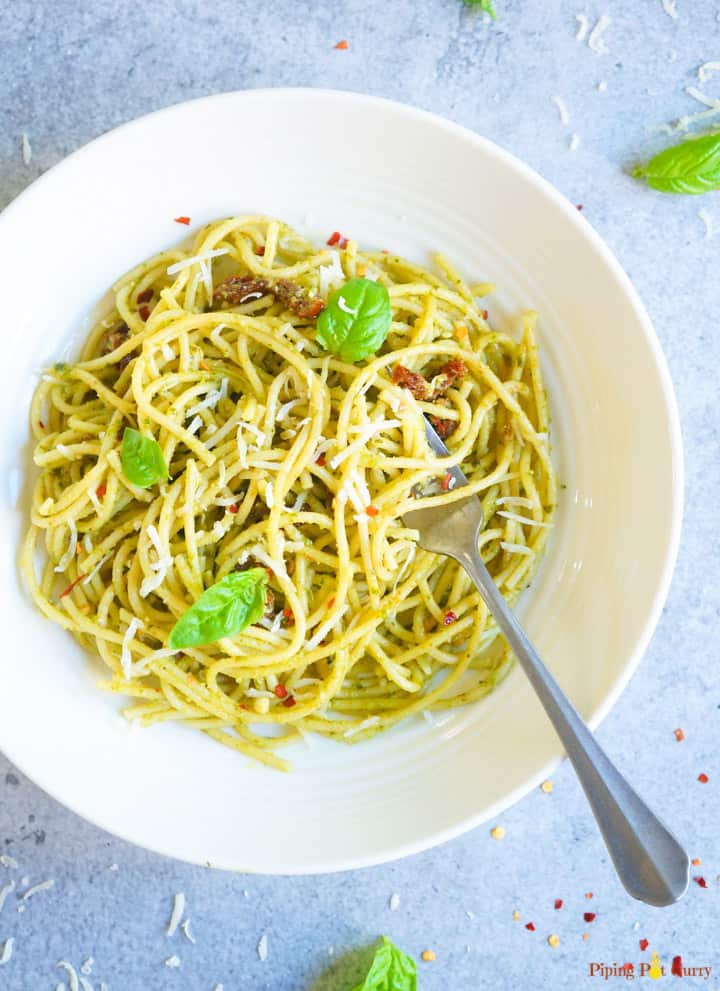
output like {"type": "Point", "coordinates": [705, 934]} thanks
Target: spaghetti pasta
{"type": "Point", "coordinates": [284, 457]}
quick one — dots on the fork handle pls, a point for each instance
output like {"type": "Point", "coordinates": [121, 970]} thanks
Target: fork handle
{"type": "Point", "coordinates": [651, 864]}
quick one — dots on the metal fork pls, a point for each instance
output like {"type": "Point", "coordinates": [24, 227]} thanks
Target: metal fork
{"type": "Point", "coordinates": [650, 862]}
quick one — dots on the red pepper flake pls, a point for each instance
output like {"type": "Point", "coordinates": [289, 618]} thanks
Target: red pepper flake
{"type": "Point", "coordinates": [530, 926]}
{"type": "Point", "coordinates": [342, 45]}
{"type": "Point", "coordinates": [679, 735]}
{"type": "Point", "coordinates": [589, 916]}
{"type": "Point", "coordinates": [101, 490]}
{"type": "Point", "coordinates": [703, 778]}
{"type": "Point", "coordinates": [288, 615]}
{"type": "Point", "coordinates": [579, 206]}
{"type": "Point", "coordinates": [41, 424]}
{"type": "Point", "coordinates": [280, 691]}
{"type": "Point", "coordinates": [71, 586]}
{"type": "Point", "coordinates": [644, 944]}
{"type": "Point", "coordinates": [700, 881]}
{"type": "Point", "coordinates": [144, 312]}
{"type": "Point", "coordinates": [449, 618]}
{"type": "Point", "coordinates": [334, 238]}
{"type": "Point", "coordinates": [289, 702]}
{"type": "Point", "coordinates": [446, 482]}
{"type": "Point", "coordinates": [260, 250]}
{"type": "Point", "coordinates": [204, 365]}
{"type": "Point", "coordinates": [372, 510]}
{"type": "Point", "coordinates": [676, 968]}
{"type": "Point", "coordinates": [233, 509]}
{"type": "Point", "coordinates": [558, 903]}
{"type": "Point", "coordinates": [485, 314]}
{"type": "Point", "coordinates": [588, 894]}
{"type": "Point", "coordinates": [145, 296]}
{"type": "Point", "coordinates": [331, 602]}
{"type": "Point", "coordinates": [320, 460]}
{"type": "Point", "coordinates": [183, 220]}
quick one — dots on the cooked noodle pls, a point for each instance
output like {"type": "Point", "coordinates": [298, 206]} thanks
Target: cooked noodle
{"type": "Point", "coordinates": [285, 457]}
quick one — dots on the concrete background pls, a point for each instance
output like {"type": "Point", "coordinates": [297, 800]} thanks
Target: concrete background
{"type": "Point", "coordinates": [70, 71]}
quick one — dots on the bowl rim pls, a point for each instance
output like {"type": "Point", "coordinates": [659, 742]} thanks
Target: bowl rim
{"type": "Point", "coordinates": [545, 189]}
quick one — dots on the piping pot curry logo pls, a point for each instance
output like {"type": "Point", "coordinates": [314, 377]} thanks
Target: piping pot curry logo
{"type": "Point", "coordinates": [655, 970]}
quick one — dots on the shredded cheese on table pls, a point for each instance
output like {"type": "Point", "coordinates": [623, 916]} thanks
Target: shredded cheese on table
{"type": "Point", "coordinates": [176, 915]}
{"type": "Point", "coordinates": [596, 42]}
{"type": "Point", "coordinates": [7, 950]}
{"type": "Point", "coordinates": [562, 109]}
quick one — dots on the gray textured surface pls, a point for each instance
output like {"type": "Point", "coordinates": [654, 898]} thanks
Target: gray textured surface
{"type": "Point", "coordinates": [70, 71]}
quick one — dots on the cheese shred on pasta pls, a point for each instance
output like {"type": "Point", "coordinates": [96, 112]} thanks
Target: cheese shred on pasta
{"type": "Point", "coordinates": [285, 457]}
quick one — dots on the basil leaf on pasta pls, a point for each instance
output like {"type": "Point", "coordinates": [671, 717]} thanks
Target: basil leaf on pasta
{"type": "Point", "coordinates": [692, 167]}
{"type": "Point", "coordinates": [391, 970]}
{"type": "Point", "coordinates": [142, 459]}
{"type": "Point", "coordinates": [356, 320]}
{"type": "Point", "coordinates": [223, 610]}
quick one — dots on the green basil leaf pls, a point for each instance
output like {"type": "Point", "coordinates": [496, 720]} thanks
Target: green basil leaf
{"type": "Point", "coordinates": [485, 5]}
{"type": "Point", "coordinates": [223, 610]}
{"type": "Point", "coordinates": [692, 167]}
{"type": "Point", "coordinates": [356, 320]}
{"type": "Point", "coordinates": [142, 459]}
{"type": "Point", "coordinates": [391, 970]}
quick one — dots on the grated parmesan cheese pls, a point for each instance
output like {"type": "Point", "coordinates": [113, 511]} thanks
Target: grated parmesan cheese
{"type": "Point", "coordinates": [195, 425]}
{"type": "Point", "coordinates": [583, 26]}
{"type": "Point", "coordinates": [26, 149]}
{"type": "Point", "coordinates": [188, 262]}
{"type": "Point", "coordinates": [331, 276]}
{"type": "Point", "coordinates": [269, 497]}
{"type": "Point", "coordinates": [394, 902]}
{"type": "Point", "coordinates": [71, 973]}
{"type": "Point", "coordinates": [176, 914]}
{"type": "Point", "coordinates": [516, 548]}
{"type": "Point", "coordinates": [98, 566]}
{"type": "Point", "coordinates": [71, 549]}
{"type": "Point", "coordinates": [365, 724]}
{"type": "Point", "coordinates": [167, 352]}
{"type": "Point", "coordinates": [342, 304]}
{"type": "Point", "coordinates": [125, 655]}
{"type": "Point", "coordinates": [211, 399]}
{"type": "Point", "coordinates": [323, 630]}
{"type": "Point", "coordinates": [85, 984]}
{"type": "Point", "coordinates": [262, 947]}
{"type": "Point", "coordinates": [7, 950]}
{"type": "Point", "coordinates": [86, 966]}
{"type": "Point", "coordinates": [596, 42]}
{"type": "Point", "coordinates": [707, 221]}
{"type": "Point", "coordinates": [7, 861]}
{"type": "Point", "coordinates": [87, 543]}
{"type": "Point", "coordinates": [42, 886]}
{"type": "Point", "coordinates": [706, 70]}
{"type": "Point", "coordinates": [92, 496]}
{"type": "Point", "coordinates": [185, 926]}
{"type": "Point", "coordinates": [173, 961]}
{"type": "Point", "coordinates": [670, 8]}
{"type": "Point", "coordinates": [525, 520]}
{"type": "Point", "coordinates": [602, 86]}
{"type": "Point", "coordinates": [4, 892]}
{"type": "Point", "coordinates": [562, 109]}
{"type": "Point", "coordinates": [574, 142]}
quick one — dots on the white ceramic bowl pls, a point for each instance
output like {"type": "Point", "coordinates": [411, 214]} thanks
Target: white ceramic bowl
{"type": "Point", "coordinates": [393, 177]}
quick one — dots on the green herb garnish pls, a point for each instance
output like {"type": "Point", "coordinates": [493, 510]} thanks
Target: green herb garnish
{"type": "Point", "coordinates": [142, 459]}
{"type": "Point", "coordinates": [356, 320]}
{"type": "Point", "coordinates": [391, 970]}
{"type": "Point", "coordinates": [485, 5]}
{"type": "Point", "coordinates": [692, 167]}
{"type": "Point", "coordinates": [223, 610]}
